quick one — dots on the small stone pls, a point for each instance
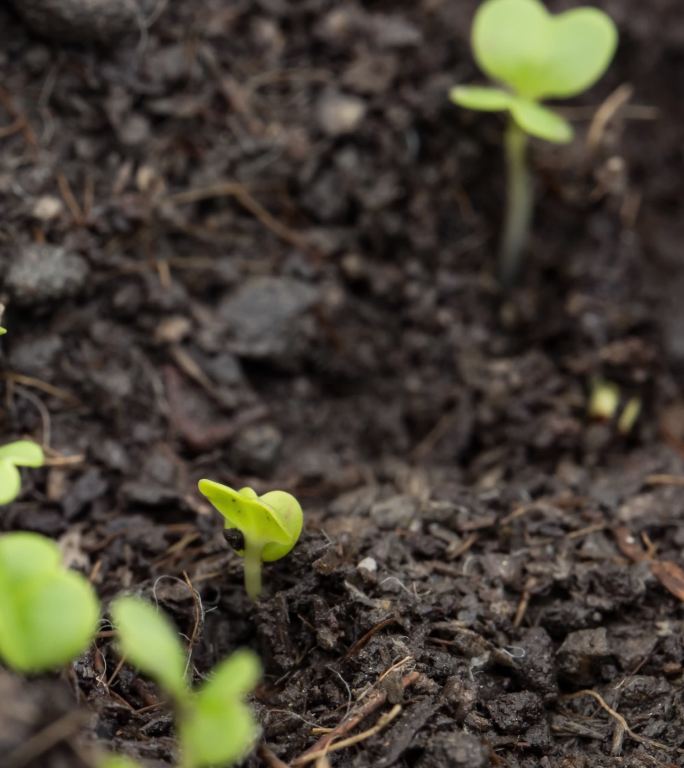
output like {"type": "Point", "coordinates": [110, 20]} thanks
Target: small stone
{"type": "Point", "coordinates": [263, 316]}
{"type": "Point", "coordinates": [80, 21]}
{"type": "Point", "coordinates": [339, 113]}
{"type": "Point", "coordinates": [368, 564]}
{"type": "Point", "coordinates": [455, 749]}
{"type": "Point", "coordinates": [395, 512]}
{"type": "Point", "coordinates": [173, 329]}
{"type": "Point", "coordinates": [257, 448]}
{"type": "Point", "coordinates": [535, 668]}
{"type": "Point", "coordinates": [516, 712]}
{"type": "Point", "coordinates": [34, 355]}
{"type": "Point", "coordinates": [582, 654]}
{"type": "Point", "coordinates": [42, 272]}
{"type": "Point", "coordinates": [47, 208]}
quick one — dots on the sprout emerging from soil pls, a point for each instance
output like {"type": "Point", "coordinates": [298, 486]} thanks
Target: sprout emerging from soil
{"type": "Point", "coordinates": [23, 453]}
{"type": "Point", "coordinates": [215, 726]}
{"type": "Point", "coordinates": [535, 55]}
{"type": "Point", "coordinates": [270, 524]}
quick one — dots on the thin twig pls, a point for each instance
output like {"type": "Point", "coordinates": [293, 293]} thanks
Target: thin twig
{"type": "Point", "coordinates": [621, 720]}
{"type": "Point", "coordinates": [245, 198]}
{"type": "Point", "coordinates": [383, 722]}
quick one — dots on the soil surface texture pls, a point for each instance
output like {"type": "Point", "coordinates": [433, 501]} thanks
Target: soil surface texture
{"type": "Point", "coordinates": [253, 241]}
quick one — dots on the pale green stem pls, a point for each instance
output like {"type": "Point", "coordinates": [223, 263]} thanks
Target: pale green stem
{"type": "Point", "coordinates": [519, 204]}
{"type": "Point", "coordinates": [252, 558]}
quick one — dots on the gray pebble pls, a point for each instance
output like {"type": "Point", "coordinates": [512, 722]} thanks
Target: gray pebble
{"type": "Point", "coordinates": [40, 273]}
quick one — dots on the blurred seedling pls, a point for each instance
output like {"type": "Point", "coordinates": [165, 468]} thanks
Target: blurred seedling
{"type": "Point", "coordinates": [270, 525]}
{"type": "Point", "coordinates": [534, 55]}
{"type": "Point", "coordinates": [604, 403]}
{"type": "Point", "coordinates": [22, 453]}
{"type": "Point", "coordinates": [48, 614]}
{"type": "Point", "coordinates": [214, 724]}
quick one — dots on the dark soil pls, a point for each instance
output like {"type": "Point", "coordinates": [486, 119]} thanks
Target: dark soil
{"type": "Point", "coordinates": [253, 241]}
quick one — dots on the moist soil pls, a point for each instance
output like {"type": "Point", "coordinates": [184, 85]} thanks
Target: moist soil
{"type": "Point", "coordinates": [253, 241]}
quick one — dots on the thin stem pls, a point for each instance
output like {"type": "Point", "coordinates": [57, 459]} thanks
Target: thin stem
{"type": "Point", "coordinates": [252, 557]}
{"type": "Point", "coordinates": [519, 203]}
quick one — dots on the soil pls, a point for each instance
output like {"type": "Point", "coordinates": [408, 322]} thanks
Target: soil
{"type": "Point", "coordinates": [253, 241]}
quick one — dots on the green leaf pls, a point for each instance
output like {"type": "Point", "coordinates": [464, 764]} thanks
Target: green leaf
{"type": "Point", "coordinates": [289, 514]}
{"type": "Point", "coordinates": [233, 678]}
{"type": "Point", "coordinates": [10, 482]}
{"type": "Point", "coordinates": [217, 737]}
{"type": "Point", "coordinates": [149, 641]}
{"type": "Point", "coordinates": [518, 42]}
{"type": "Point", "coordinates": [481, 98]}
{"type": "Point", "coordinates": [583, 45]}
{"type": "Point", "coordinates": [25, 556]}
{"type": "Point", "coordinates": [48, 615]}
{"type": "Point", "coordinates": [541, 122]}
{"type": "Point", "coordinates": [3, 331]}
{"type": "Point", "coordinates": [23, 453]}
{"type": "Point", "coordinates": [219, 728]}
{"type": "Point", "coordinates": [511, 41]}
{"type": "Point", "coordinates": [246, 513]}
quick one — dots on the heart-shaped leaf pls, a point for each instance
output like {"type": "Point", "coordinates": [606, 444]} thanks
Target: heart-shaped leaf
{"type": "Point", "coordinates": [48, 615]}
{"type": "Point", "coordinates": [519, 43]}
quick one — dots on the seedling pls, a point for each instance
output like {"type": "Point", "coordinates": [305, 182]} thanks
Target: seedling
{"type": "Point", "coordinates": [23, 453]}
{"type": "Point", "coordinates": [270, 525]}
{"type": "Point", "coordinates": [48, 614]}
{"type": "Point", "coordinates": [535, 55]}
{"type": "Point", "coordinates": [3, 331]}
{"type": "Point", "coordinates": [215, 726]}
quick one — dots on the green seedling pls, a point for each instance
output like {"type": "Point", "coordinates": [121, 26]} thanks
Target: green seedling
{"type": "Point", "coordinates": [3, 331]}
{"type": "Point", "coordinates": [48, 614]}
{"type": "Point", "coordinates": [23, 453]}
{"type": "Point", "coordinates": [270, 525]}
{"type": "Point", "coordinates": [215, 726]}
{"type": "Point", "coordinates": [534, 55]}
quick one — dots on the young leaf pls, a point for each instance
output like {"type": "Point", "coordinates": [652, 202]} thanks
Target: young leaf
{"type": "Point", "coordinates": [149, 641]}
{"type": "Point", "coordinates": [511, 42]}
{"type": "Point", "coordinates": [270, 524]}
{"type": "Point", "coordinates": [539, 55]}
{"type": "Point", "coordinates": [583, 45]}
{"type": "Point", "coordinates": [243, 510]}
{"type": "Point", "coordinates": [3, 331]}
{"type": "Point", "coordinates": [23, 453]}
{"type": "Point", "coordinates": [541, 122]}
{"type": "Point", "coordinates": [48, 615]}
{"type": "Point", "coordinates": [10, 482]}
{"type": "Point", "coordinates": [220, 728]}
{"type": "Point", "coordinates": [481, 98]}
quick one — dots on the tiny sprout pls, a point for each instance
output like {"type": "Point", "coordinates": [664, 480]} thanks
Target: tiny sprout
{"type": "Point", "coordinates": [536, 56]}
{"type": "Point", "coordinates": [48, 614]}
{"type": "Point", "coordinates": [3, 331]}
{"type": "Point", "coordinates": [604, 400]}
{"type": "Point", "coordinates": [22, 453]}
{"type": "Point", "coordinates": [270, 525]}
{"type": "Point", "coordinates": [215, 725]}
